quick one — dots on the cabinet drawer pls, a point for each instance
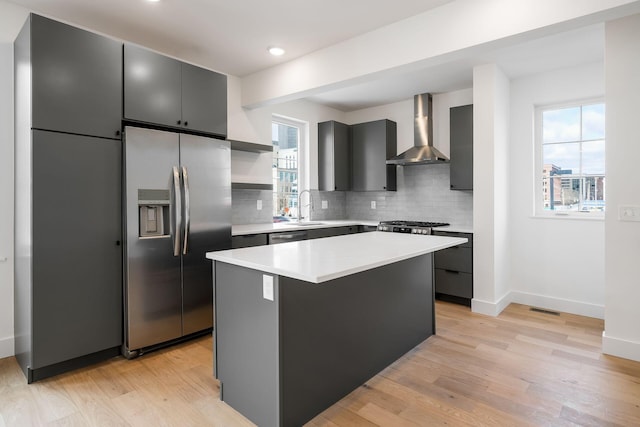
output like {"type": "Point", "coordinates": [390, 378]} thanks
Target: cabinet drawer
{"type": "Point", "coordinates": [456, 258]}
{"type": "Point", "coordinates": [247, 240]}
{"type": "Point", "coordinates": [330, 232]}
{"type": "Point", "coordinates": [467, 236]}
{"type": "Point", "coordinates": [454, 283]}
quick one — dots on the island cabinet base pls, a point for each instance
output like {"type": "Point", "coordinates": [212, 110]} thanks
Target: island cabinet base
{"type": "Point", "coordinates": [281, 362]}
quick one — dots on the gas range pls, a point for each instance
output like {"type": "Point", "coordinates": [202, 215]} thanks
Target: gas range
{"type": "Point", "coordinates": [410, 227]}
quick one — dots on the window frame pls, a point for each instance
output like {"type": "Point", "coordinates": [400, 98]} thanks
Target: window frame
{"type": "Point", "coordinates": [303, 138]}
{"type": "Point", "coordinates": [538, 144]}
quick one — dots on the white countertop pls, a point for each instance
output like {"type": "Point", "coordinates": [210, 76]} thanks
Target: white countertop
{"type": "Point", "coordinates": [320, 260]}
{"type": "Point", "coordinates": [243, 229]}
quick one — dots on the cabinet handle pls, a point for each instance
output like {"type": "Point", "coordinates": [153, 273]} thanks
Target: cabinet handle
{"type": "Point", "coordinates": [117, 133]}
{"type": "Point", "coordinates": [186, 123]}
{"type": "Point", "coordinates": [452, 271]}
{"type": "Point", "coordinates": [117, 242]}
{"type": "Point", "coordinates": [179, 121]}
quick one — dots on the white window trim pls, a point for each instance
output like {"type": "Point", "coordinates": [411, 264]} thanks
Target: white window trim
{"type": "Point", "coordinates": [539, 211]}
{"type": "Point", "coordinates": [303, 147]}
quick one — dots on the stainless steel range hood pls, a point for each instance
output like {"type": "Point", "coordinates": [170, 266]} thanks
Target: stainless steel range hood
{"type": "Point", "coordinates": [423, 152]}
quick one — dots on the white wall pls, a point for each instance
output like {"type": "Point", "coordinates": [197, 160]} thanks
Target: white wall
{"type": "Point", "coordinates": [622, 241]}
{"type": "Point", "coordinates": [11, 19]}
{"type": "Point", "coordinates": [491, 258]}
{"type": "Point", "coordinates": [246, 167]}
{"type": "Point", "coordinates": [555, 263]}
{"type": "Point", "coordinates": [6, 195]}
{"type": "Point", "coordinates": [255, 126]}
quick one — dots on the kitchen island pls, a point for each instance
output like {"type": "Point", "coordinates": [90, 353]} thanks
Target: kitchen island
{"type": "Point", "coordinates": [299, 325]}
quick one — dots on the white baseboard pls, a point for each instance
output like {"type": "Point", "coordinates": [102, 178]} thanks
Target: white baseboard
{"type": "Point", "coordinates": [6, 347]}
{"type": "Point", "coordinates": [558, 304]}
{"type": "Point", "coordinates": [620, 348]}
{"type": "Point", "coordinates": [490, 308]}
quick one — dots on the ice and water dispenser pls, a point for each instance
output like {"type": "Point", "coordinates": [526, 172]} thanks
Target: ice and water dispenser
{"type": "Point", "coordinates": [153, 209]}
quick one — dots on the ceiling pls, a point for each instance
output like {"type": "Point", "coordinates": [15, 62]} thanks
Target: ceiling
{"type": "Point", "coordinates": [576, 47]}
{"type": "Point", "coordinates": [233, 36]}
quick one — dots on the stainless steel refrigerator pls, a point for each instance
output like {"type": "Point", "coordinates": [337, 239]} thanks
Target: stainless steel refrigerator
{"type": "Point", "coordinates": [178, 207]}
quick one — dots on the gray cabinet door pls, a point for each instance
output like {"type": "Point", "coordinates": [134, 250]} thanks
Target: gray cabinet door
{"type": "Point", "coordinates": [76, 78]}
{"type": "Point", "coordinates": [461, 168]}
{"type": "Point", "coordinates": [77, 256]}
{"type": "Point", "coordinates": [152, 87]}
{"type": "Point", "coordinates": [372, 143]}
{"type": "Point", "coordinates": [204, 100]}
{"type": "Point", "coordinates": [334, 159]}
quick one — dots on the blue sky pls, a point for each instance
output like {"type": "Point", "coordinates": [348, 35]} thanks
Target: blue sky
{"type": "Point", "coordinates": [564, 125]}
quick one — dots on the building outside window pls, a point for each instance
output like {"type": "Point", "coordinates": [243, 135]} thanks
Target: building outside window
{"type": "Point", "coordinates": [286, 136]}
{"type": "Point", "coordinates": [570, 141]}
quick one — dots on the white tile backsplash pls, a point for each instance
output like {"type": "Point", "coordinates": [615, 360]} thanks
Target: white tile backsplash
{"type": "Point", "coordinates": [423, 195]}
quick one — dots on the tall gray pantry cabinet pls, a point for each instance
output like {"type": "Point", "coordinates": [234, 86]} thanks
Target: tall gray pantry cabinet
{"type": "Point", "coordinates": [68, 254]}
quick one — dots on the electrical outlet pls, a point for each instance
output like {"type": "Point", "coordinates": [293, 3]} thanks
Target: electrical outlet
{"type": "Point", "coordinates": [259, 205]}
{"type": "Point", "coordinates": [267, 287]}
{"type": "Point", "coordinates": [373, 204]}
{"type": "Point", "coordinates": [629, 213]}
{"type": "Point", "coordinates": [325, 204]}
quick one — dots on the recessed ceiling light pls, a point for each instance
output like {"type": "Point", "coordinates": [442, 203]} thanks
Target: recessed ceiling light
{"type": "Point", "coordinates": [153, 1]}
{"type": "Point", "coordinates": [276, 51]}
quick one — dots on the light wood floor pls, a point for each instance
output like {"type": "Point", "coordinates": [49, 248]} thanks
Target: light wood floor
{"type": "Point", "coordinates": [521, 368]}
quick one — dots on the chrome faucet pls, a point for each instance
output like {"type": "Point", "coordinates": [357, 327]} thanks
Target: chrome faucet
{"type": "Point", "coordinates": [310, 204]}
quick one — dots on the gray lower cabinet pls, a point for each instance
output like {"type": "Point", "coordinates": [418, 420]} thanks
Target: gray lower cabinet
{"type": "Point", "coordinates": [461, 133]}
{"type": "Point", "coordinates": [372, 143]}
{"type": "Point", "coordinates": [318, 233]}
{"type": "Point", "coordinates": [283, 360]}
{"type": "Point", "coordinates": [68, 275]}
{"type": "Point", "coordinates": [164, 91]}
{"type": "Point", "coordinates": [248, 240]}
{"type": "Point", "coordinates": [334, 159]}
{"type": "Point", "coordinates": [454, 270]}
{"type": "Point", "coordinates": [76, 78]}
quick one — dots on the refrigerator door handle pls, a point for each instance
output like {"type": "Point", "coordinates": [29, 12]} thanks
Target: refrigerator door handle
{"type": "Point", "coordinates": [176, 221]}
{"type": "Point", "coordinates": [187, 210]}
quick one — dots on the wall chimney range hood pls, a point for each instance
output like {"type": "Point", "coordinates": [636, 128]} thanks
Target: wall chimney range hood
{"type": "Point", "coordinates": [423, 152]}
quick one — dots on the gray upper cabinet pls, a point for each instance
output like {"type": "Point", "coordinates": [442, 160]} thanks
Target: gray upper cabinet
{"type": "Point", "coordinates": [333, 156]}
{"type": "Point", "coordinates": [164, 91]}
{"type": "Point", "coordinates": [372, 143]}
{"type": "Point", "coordinates": [152, 87]}
{"type": "Point", "coordinates": [204, 100]}
{"type": "Point", "coordinates": [76, 79]}
{"type": "Point", "coordinates": [461, 168]}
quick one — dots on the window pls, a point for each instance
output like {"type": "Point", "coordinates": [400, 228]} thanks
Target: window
{"type": "Point", "coordinates": [286, 136]}
{"type": "Point", "coordinates": [570, 172]}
